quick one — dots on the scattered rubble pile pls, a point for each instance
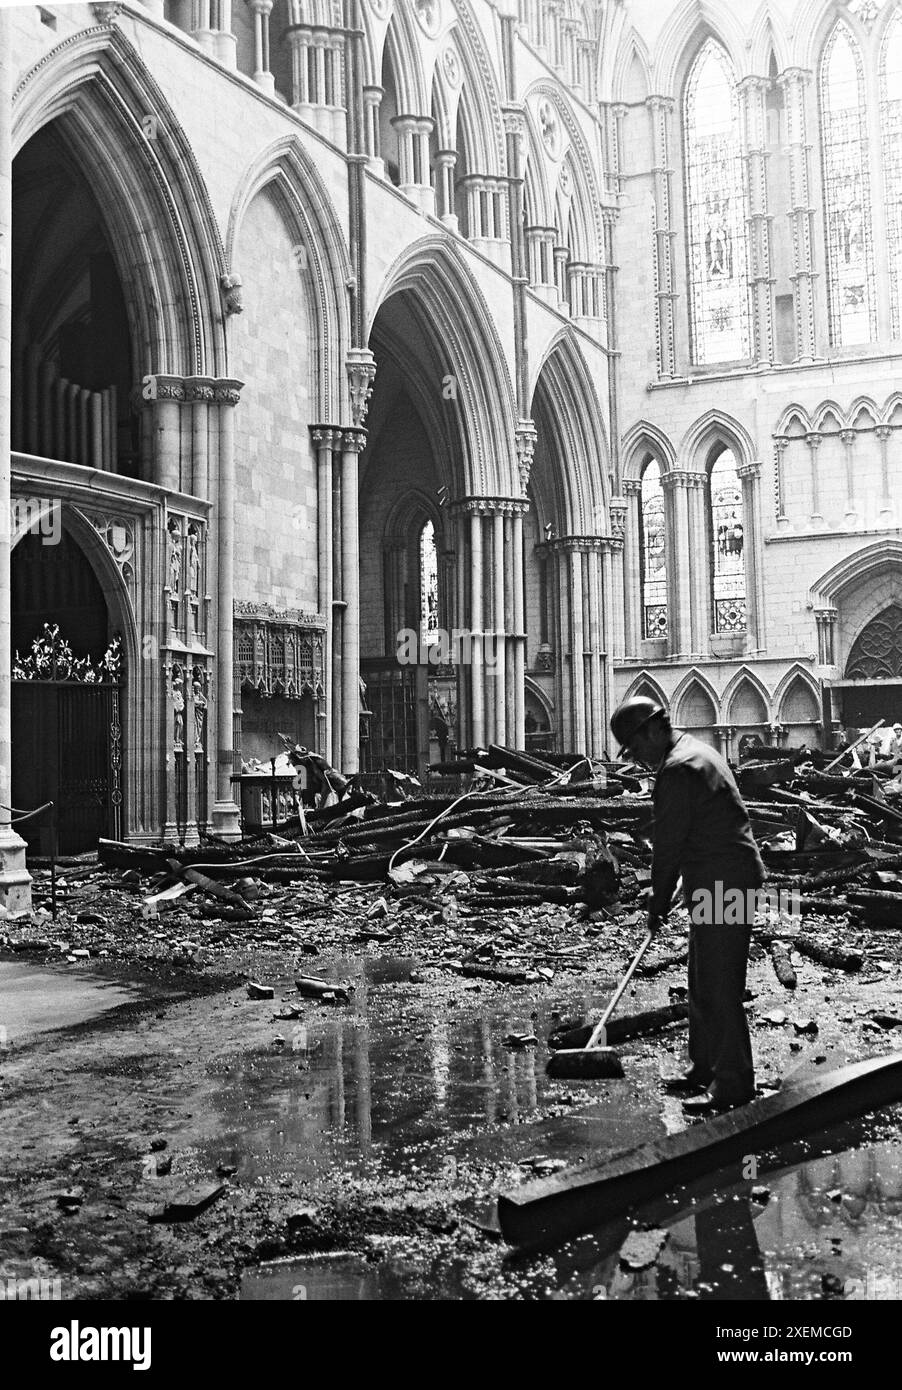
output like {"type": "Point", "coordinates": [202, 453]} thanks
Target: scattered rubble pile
{"type": "Point", "coordinates": [477, 881]}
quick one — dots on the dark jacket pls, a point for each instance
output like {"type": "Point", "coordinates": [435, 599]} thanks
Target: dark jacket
{"type": "Point", "coordinates": [702, 828]}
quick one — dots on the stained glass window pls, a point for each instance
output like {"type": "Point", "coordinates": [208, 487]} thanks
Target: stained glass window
{"type": "Point", "coordinates": [847, 193]}
{"type": "Point", "coordinates": [727, 545]}
{"type": "Point", "coordinates": [716, 211]}
{"type": "Point", "coordinates": [654, 554]}
{"type": "Point", "coordinates": [891, 144]}
{"type": "Point", "coordinates": [428, 585]}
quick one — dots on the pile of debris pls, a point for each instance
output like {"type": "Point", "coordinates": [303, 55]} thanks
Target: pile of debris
{"type": "Point", "coordinates": [516, 874]}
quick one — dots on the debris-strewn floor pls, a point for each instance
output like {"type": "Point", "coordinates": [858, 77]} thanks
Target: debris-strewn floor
{"type": "Point", "coordinates": [366, 1138]}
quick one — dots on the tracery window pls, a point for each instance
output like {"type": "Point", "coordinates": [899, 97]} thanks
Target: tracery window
{"type": "Point", "coordinates": [727, 543]}
{"type": "Point", "coordinates": [654, 553]}
{"type": "Point", "coordinates": [716, 211]}
{"type": "Point", "coordinates": [847, 192]}
{"type": "Point", "coordinates": [891, 151]}
{"type": "Point", "coordinates": [877, 653]}
{"type": "Point", "coordinates": [428, 585]}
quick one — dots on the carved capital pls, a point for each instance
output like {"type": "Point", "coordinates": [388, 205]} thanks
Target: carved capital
{"type": "Point", "coordinates": [108, 12]}
{"type": "Point", "coordinates": [813, 440]}
{"type": "Point", "coordinates": [198, 388]}
{"type": "Point", "coordinates": [848, 437]}
{"type": "Point", "coordinates": [227, 391]}
{"type": "Point", "coordinates": [632, 487]}
{"type": "Point", "coordinates": [325, 436]}
{"type": "Point", "coordinates": [353, 441]}
{"type": "Point", "coordinates": [749, 470]}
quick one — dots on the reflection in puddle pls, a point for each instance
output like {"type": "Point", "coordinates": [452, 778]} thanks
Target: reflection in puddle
{"type": "Point", "coordinates": [401, 1082]}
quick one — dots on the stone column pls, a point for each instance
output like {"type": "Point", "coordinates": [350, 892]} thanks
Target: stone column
{"type": "Point", "coordinates": [169, 392]}
{"type": "Point", "coordinates": [518, 734]}
{"type": "Point", "coordinates": [679, 582]}
{"type": "Point", "coordinates": [225, 43]}
{"type": "Point", "coordinates": [225, 814]}
{"type": "Point", "coordinates": [848, 440]}
{"type": "Point", "coordinates": [477, 694]}
{"type": "Point", "coordinates": [884, 433]}
{"type": "Point", "coordinates": [300, 41]}
{"type": "Point", "coordinates": [326, 441]}
{"type": "Point", "coordinates": [499, 669]}
{"type": "Point", "coordinates": [461, 623]}
{"type": "Point", "coordinates": [781, 444]}
{"type": "Point", "coordinates": [15, 880]}
{"type": "Point", "coordinates": [814, 442]}
{"type": "Point", "coordinates": [261, 10]}
{"type": "Point", "coordinates": [633, 614]}
{"type": "Point", "coordinates": [756, 620]}
{"type": "Point", "coordinates": [410, 131]}
{"type": "Point", "coordinates": [699, 562]}
{"type": "Point", "coordinates": [353, 442]}
{"type": "Point", "coordinates": [825, 619]}
{"type": "Point", "coordinates": [372, 100]}
{"type": "Point", "coordinates": [445, 161]}
{"type": "Point", "coordinates": [794, 82]}
{"type": "Point", "coordinates": [596, 560]}
{"type": "Point", "coordinates": [565, 646]}
{"type": "Point", "coordinates": [753, 92]}
{"type": "Point", "coordinates": [661, 108]}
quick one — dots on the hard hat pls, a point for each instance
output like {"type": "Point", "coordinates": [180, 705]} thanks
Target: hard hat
{"type": "Point", "coordinates": [631, 716]}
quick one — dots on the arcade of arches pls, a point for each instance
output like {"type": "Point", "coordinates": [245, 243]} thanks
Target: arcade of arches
{"type": "Point", "coordinates": [433, 394]}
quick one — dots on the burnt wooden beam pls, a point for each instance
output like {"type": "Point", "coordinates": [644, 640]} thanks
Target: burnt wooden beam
{"type": "Point", "coordinates": [550, 1210]}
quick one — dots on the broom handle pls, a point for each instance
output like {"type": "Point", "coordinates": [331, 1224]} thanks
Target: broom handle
{"type": "Point", "coordinates": [615, 1000]}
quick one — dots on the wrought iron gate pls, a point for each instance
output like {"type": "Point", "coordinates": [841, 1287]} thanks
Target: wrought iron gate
{"type": "Point", "coordinates": [67, 748]}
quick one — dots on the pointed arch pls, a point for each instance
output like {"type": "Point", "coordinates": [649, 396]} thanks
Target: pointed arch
{"type": "Point", "coordinates": [641, 439]}
{"type": "Point", "coordinates": [645, 684]}
{"type": "Point", "coordinates": [632, 52]}
{"type": "Point", "coordinates": [565, 383]}
{"type": "Point", "coordinates": [767, 35]}
{"type": "Point", "coordinates": [796, 679]}
{"type": "Point", "coordinates": [97, 89]}
{"type": "Point", "coordinates": [287, 171]}
{"type": "Point", "coordinates": [794, 414]}
{"type": "Point", "coordinates": [863, 413]}
{"type": "Point", "coordinates": [695, 704]}
{"type": "Point", "coordinates": [689, 26]}
{"type": "Point", "coordinates": [745, 680]}
{"type": "Point", "coordinates": [826, 411]}
{"type": "Point", "coordinates": [715, 427]}
{"type": "Point", "coordinates": [583, 163]}
{"type": "Point", "coordinates": [437, 279]}
{"type": "Point", "coordinates": [402, 49]}
{"type": "Point", "coordinates": [852, 569]}
{"type": "Point", "coordinates": [892, 404]}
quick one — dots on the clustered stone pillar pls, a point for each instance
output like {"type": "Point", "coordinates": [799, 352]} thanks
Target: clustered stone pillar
{"type": "Point", "coordinates": [372, 100]}
{"type": "Point", "coordinates": [490, 620]}
{"type": "Point", "coordinates": [813, 441]}
{"type": "Point", "coordinates": [316, 78]}
{"type": "Point", "coordinates": [794, 82]}
{"type": "Point", "coordinates": [679, 563]}
{"type": "Point", "coordinates": [261, 10]}
{"type": "Point", "coordinates": [884, 433]}
{"type": "Point", "coordinates": [825, 619]}
{"type": "Point", "coordinates": [353, 442]}
{"type": "Point", "coordinates": [753, 91]}
{"type": "Point", "coordinates": [326, 441]}
{"type": "Point", "coordinates": [413, 160]}
{"type": "Point", "coordinates": [584, 580]}
{"type": "Point", "coordinates": [212, 28]}
{"type": "Point", "coordinates": [15, 880]}
{"type": "Point", "coordinates": [661, 109]}
{"type": "Point", "coordinates": [445, 162]}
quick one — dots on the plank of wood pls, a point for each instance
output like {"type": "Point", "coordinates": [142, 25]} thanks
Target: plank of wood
{"type": "Point", "coordinates": [550, 1210]}
{"type": "Point", "coordinates": [190, 1202]}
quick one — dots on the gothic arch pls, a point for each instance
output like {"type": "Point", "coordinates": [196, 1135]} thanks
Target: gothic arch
{"type": "Point", "coordinates": [715, 427]}
{"type": "Point", "coordinates": [645, 684]}
{"type": "Point", "coordinates": [893, 403]}
{"type": "Point", "coordinates": [693, 681]}
{"type": "Point", "coordinates": [567, 384]}
{"type": "Point", "coordinates": [402, 49]}
{"type": "Point", "coordinates": [767, 35]}
{"type": "Point", "coordinates": [687, 28]}
{"type": "Point", "coordinates": [97, 89]}
{"type": "Point", "coordinates": [823, 413]}
{"type": "Point", "coordinates": [288, 172]}
{"type": "Point", "coordinates": [796, 675]}
{"type": "Point", "coordinates": [814, 27]}
{"type": "Point", "coordinates": [434, 274]}
{"type": "Point", "coordinates": [632, 47]}
{"type": "Point", "coordinates": [852, 569]}
{"type": "Point", "coordinates": [863, 408]}
{"type": "Point", "coordinates": [538, 202]}
{"type": "Point", "coordinates": [745, 678]}
{"type": "Point", "coordinates": [582, 161]}
{"type": "Point", "coordinates": [481, 85]}
{"type": "Point", "coordinates": [640, 440]}
{"type": "Point", "coordinates": [794, 413]}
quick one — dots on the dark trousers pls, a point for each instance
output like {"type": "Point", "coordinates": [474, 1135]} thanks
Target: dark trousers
{"type": "Point", "coordinates": [719, 1043]}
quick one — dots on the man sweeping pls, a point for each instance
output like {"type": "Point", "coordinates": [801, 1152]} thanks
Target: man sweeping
{"type": "Point", "coordinates": [701, 832]}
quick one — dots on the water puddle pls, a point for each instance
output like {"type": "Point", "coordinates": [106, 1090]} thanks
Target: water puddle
{"type": "Point", "coordinates": [38, 1000]}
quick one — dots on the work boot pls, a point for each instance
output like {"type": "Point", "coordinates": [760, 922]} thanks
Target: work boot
{"type": "Point", "coordinates": [686, 1083]}
{"type": "Point", "coordinates": [714, 1100]}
